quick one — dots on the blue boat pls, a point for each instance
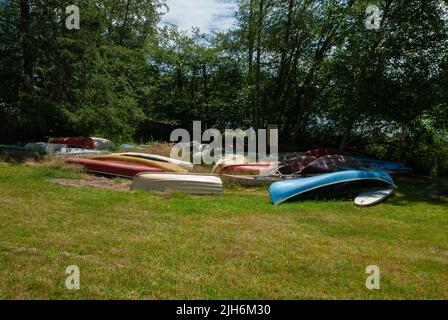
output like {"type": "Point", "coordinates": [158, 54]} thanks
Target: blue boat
{"type": "Point", "coordinates": [383, 165]}
{"type": "Point", "coordinates": [329, 184]}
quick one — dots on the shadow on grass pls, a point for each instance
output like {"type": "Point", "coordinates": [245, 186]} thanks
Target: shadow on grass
{"type": "Point", "coordinates": [419, 189]}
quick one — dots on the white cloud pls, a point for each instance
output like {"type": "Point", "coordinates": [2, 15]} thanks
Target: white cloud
{"type": "Point", "coordinates": [208, 15]}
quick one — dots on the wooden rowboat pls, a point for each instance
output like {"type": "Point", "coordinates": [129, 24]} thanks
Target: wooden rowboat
{"type": "Point", "coordinates": [198, 184]}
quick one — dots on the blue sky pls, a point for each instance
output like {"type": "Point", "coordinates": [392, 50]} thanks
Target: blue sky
{"type": "Point", "coordinates": [208, 15]}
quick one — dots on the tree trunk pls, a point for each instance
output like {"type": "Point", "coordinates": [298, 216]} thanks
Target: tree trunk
{"type": "Point", "coordinates": [27, 53]}
{"type": "Point", "coordinates": [250, 57]}
{"type": "Point", "coordinates": [258, 70]}
{"type": "Point", "coordinates": [125, 22]}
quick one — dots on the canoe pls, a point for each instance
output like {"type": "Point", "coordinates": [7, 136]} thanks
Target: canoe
{"type": "Point", "coordinates": [78, 142]}
{"type": "Point", "coordinates": [328, 185]}
{"type": "Point", "coordinates": [143, 162]}
{"type": "Point", "coordinates": [372, 197]}
{"type": "Point", "coordinates": [198, 184]}
{"type": "Point", "coordinates": [250, 181]}
{"type": "Point", "coordinates": [110, 168]}
{"type": "Point", "coordinates": [154, 157]}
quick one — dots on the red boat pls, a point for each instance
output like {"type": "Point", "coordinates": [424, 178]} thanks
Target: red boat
{"type": "Point", "coordinates": [77, 142]}
{"type": "Point", "coordinates": [249, 168]}
{"type": "Point", "coordinates": [112, 168]}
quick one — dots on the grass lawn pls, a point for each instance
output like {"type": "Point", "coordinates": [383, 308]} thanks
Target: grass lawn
{"type": "Point", "coordinates": [136, 245]}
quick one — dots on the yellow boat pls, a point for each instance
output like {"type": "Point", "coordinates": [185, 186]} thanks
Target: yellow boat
{"type": "Point", "coordinates": [169, 167]}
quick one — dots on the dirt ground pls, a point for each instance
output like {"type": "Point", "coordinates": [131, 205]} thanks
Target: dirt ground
{"type": "Point", "coordinates": [91, 181]}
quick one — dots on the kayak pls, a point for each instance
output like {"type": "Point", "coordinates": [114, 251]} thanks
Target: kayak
{"type": "Point", "coordinates": [153, 157]}
{"type": "Point", "coordinates": [143, 162]}
{"type": "Point", "coordinates": [198, 184]}
{"type": "Point", "coordinates": [328, 185]}
{"type": "Point", "coordinates": [110, 168]}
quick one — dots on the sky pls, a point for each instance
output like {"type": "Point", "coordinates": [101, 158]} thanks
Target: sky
{"type": "Point", "coordinates": [208, 15]}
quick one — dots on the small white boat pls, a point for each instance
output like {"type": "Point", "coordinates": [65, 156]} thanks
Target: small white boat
{"type": "Point", "coordinates": [373, 197]}
{"type": "Point", "coordinates": [103, 144]}
{"type": "Point", "coordinates": [199, 184]}
{"type": "Point", "coordinates": [154, 157]}
{"type": "Point", "coordinates": [230, 159]}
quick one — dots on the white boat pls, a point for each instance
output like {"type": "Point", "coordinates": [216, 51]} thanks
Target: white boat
{"type": "Point", "coordinates": [154, 157]}
{"type": "Point", "coordinates": [230, 159]}
{"type": "Point", "coordinates": [198, 184]}
{"type": "Point", "coordinates": [103, 144]}
{"type": "Point", "coordinates": [373, 197]}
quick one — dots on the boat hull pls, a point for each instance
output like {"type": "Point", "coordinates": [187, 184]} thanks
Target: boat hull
{"type": "Point", "coordinates": [372, 197]}
{"type": "Point", "coordinates": [196, 184]}
{"type": "Point", "coordinates": [78, 142]}
{"type": "Point", "coordinates": [110, 168]}
{"type": "Point", "coordinates": [153, 157]}
{"type": "Point", "coordinates": [327, 185]}
{"type": "Point", "coordinates": [168, 167]}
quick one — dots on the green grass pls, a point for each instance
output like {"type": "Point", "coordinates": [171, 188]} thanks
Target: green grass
{"type": "Point", "coordinates": [238, 245]}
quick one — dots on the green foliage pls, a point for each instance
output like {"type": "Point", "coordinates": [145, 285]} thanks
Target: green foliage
{"type": "Point", "coordinates": [311, 66]}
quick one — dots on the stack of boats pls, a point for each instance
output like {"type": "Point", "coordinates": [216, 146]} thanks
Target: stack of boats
{"type": "Point", "coordinates": [320, 173]}
{"type": "Point", "coordinates": [152, 172]}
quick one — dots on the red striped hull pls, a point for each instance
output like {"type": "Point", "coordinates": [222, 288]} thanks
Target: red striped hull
{"type": "Point", "coordinates": [78, 142]}
{"type": "Point", "coordinates": [112, 168]}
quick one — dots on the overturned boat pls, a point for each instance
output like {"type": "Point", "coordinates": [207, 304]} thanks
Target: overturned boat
{"type": "Point", "coordinates": [110, 168]}
{"type": "Point", "coordinates": [18, 153]}
{"type": "Point", "coordinates": [389, 166]}
{"type": "Point", "coordinates": [197, 184]}
{"type": "Point", "coordinates": [154, 157]}
{"type": "Point", "coordinates": [325, 164]}
{"type": "Point", "coordinates": [74, 142]}
{"type": "Point", "coordinates": [329, 185]}
{"type": "Point", "coordinates": [168, 167]}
